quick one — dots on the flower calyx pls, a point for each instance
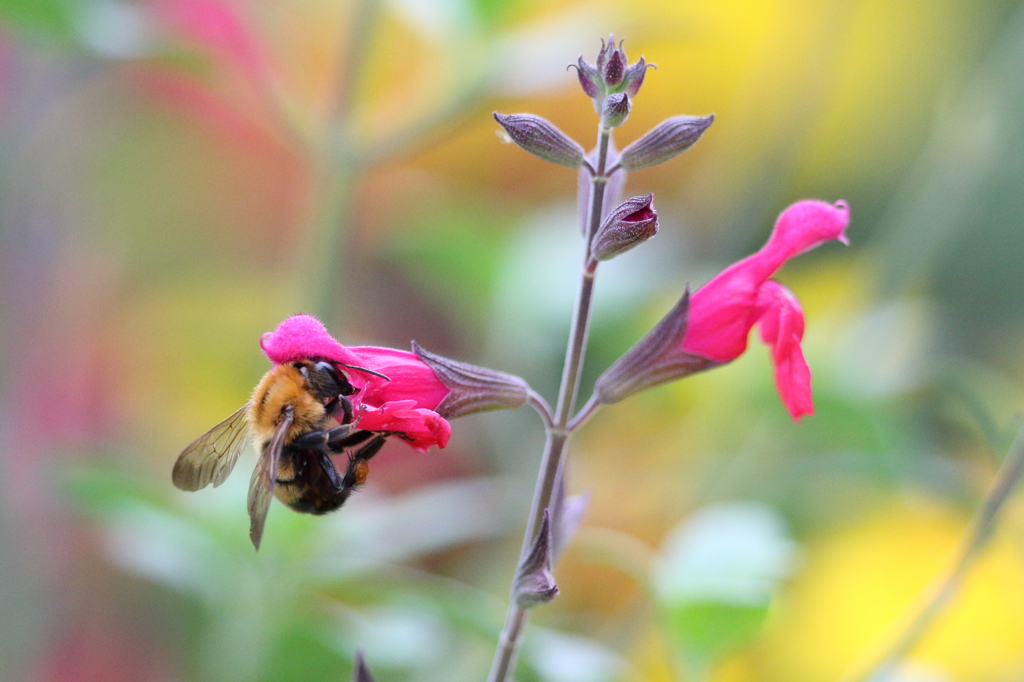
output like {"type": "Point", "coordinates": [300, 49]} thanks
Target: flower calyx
{"type": "Point", "coordinates": [534, 584]}
{"type": "Point", "coordinates": [611, 75]}
{"type": "Point", "coordinates": [472, 388]}
{"type": "Point", "coordinates": [664, 141]}
{"type": "Point", "coordinates": [633, 222]}
{"type": "Point", "coordinates": [541, 138]}
{"type": "Point", "coordinates": [655, 359]}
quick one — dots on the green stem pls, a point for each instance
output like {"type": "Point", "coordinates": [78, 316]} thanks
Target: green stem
{"type": "Point", "coordinates": [935, 599]}
{"type": "Point", "coordinates": [558, 434]}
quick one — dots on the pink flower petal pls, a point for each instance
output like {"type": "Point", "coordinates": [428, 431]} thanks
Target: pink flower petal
{"type": "Point", "coordinates": [723, 311]}
{"type": "Point", "coordinates": [419, 427]}
{"type": "Point", "coordinates": [301, 337]}
{"type": "Point", "coordinates": [781, 323]}
{"type": "Point", "coordinates": [409, 377]}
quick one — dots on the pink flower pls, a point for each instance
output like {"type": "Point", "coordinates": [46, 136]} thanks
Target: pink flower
{"type": "Point", "coordinates": [711, 327]}
{"type": "Point", "coordinates": [723, 311]}
{"type": "Point", "coordinates": [404, 404]}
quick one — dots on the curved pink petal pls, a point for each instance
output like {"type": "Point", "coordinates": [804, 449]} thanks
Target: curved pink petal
{"type": "Point", "coordinates": [723, 311]}
{"type": "Point", "coordinates": [419, 427]}
{"type": "Point", "coordinates": [301, 337]}
{"type": "Point", "coordinates": [781, 323]}
{"type": "Point", "coordinates": [410, 378]}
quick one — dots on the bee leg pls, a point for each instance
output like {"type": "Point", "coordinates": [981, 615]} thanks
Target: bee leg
{"type": "Point", "coordinates": [342, 437]}
{"type": "Point", "coordinates": [370, 449]}
{"type": "Point", "coordinates": [314, 440]}
{"type": "Point", "coordinates": [328, 467]}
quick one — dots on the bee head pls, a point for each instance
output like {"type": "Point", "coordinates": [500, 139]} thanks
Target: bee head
{"type": "Point", "coordinates": [324, 380]}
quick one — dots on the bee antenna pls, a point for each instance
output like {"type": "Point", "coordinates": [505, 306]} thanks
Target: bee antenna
{"type": "Point", "coordinates": [368, 371]}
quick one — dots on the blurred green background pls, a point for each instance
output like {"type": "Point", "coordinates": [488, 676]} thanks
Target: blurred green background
{"type": "Point", "coordinates": [177, 176]}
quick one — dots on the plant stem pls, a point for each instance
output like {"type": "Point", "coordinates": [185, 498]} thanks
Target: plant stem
{"type": "Point", "coordinates": [938, 595]}
{"type": "Point", "coordinates": [558, 434]}
{"type": "Point", "coordinates": [326, 255]}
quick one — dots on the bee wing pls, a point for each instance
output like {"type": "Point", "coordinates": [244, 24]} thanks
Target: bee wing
{"type": "Point", "coordinates": [264, 477]}
{"type": "Point", "coordinates": [211, 457]}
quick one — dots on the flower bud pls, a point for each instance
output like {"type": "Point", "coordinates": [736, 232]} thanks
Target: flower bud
{"type": "Point", "coordinates": [634, 77]}
{"type": "Point", "coordinates": [664, 141]}
{"type": "Point", "coordinates": [541, 138]}
{"type": "Point", "coordinates": [472, 388]}
{"type": "Point", "coordinates": [616, 110]}
{"type": "Point", "coordinates": [534, 584]}
{"type": "Point", "coordinates": [590, 80]}
{"type": "Point", "coordinates": [360, 671]}
{"type": "Point", "coordinates": [614, 68]}
{"type": "Point", "coordinates": [630, 224]}
{"type": "Point", "coordinates": [655, 359]}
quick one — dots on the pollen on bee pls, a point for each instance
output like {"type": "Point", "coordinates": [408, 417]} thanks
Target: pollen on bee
{"type": "Point", "coordinates": [361, 469]}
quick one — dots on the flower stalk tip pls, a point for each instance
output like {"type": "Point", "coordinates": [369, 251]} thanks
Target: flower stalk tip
{"type": "Point", "coordinates": [541, 138]}
{"type": "Point", "coordinates": [633, 222]}
{"type": "Point", "coordinates": [611, 75]}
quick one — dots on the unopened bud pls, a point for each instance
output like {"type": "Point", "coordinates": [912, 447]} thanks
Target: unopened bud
{"type": "Point", "coordinates": [634, 77]}
{"type": "Point", "coordinates": [534, 584]}
{"type": "Point", "coordinates": [360, 671]}
{"type": "Point", "coordinates": [616, 110]}
{"type": "Point", "coordinates": [630, 224]}
{"type": "Point", "coordinates": [472, 388]}
{"type": "Point", "coordinates": [590, 80]}
{"type": "Point", "coordinates": [614, 69]}
{"type": "Point", "coordinates": [655, 359]}
{"type": "Point", "coordinates": [664, 141]}
{"type": "Point", "coordinates": [541, 138]}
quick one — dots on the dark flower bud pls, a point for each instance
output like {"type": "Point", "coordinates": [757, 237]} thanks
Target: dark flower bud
{"type": "Point", "coordinates": [616, 110]}
{"type": "Point", "coordinates": [360, 671]}
{"type": "Point", "coordinates": [664, 141]}
{"type": "Point", "coordinates": [472, 388]}
{"type": "Point", "coordinates": [655, 359]}
{"type": "Point", "coordinates": [631, 223]}
{"type": "Point", "coordinates": [614, 69]}
{"type": "Point", "coordinates": [634, 77]}
{"type": "Point", "coordinates": [541, 138]}
{"type": "Point", "coordinates": [605, 52]}
{"type": "Point", "coordinates": [534, 584]}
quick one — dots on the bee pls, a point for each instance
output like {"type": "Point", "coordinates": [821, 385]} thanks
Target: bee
{"type": "Point", "coordinates": [288, 418]}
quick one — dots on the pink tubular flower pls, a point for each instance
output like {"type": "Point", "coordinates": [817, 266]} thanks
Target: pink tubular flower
{"type": "Point", "coordinates": [711, 327]}
{"type": "Point", "coordinates": [403, 404]}
{"type": "Point", "coordinates": [723, 311]}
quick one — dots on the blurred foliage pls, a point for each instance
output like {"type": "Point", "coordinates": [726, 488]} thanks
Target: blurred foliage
{"type": "Point", "coordinates": [176, 176]}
